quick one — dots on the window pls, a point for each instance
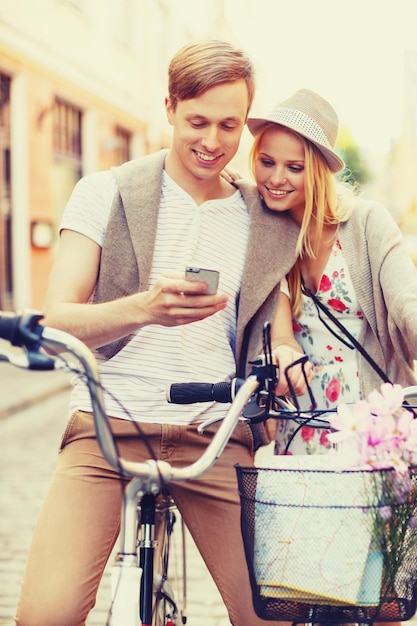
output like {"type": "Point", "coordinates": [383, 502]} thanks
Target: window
{"type": "Point", "coordinates": [67, 147]}
{"type": "Point", "coordinates": [67, 130]}
{"type": "Point", "coordinates": [122, 145]}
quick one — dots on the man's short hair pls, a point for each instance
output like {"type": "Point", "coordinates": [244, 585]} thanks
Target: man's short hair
{"type": "Point", "coordinates": [201, 65]}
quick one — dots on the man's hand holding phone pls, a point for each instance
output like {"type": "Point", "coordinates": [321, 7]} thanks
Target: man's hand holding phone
{"type": "Point", "coordinates": [169, 303]}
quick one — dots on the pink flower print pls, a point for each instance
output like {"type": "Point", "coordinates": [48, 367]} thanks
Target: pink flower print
{"type": "Point", "coordinates": [333, 390]}
{"type": "Point", "coordinates": [335, 274]}
{"type": "Point", "coordinates": [329, 347]}
{"type": "Point", "coordinates": [296, 327]}
{"type": "Point", "coordinates": [337, 305]}
{"type": "Point", "coordinates": [324, 441]}
{"type": "Point", "coordinates": [338, 359]}
{"type": "Point", "coordinates": [325, 283]}
{"type": "Point", "coordinates": [359, 314]}
{"type": "Point", "coordinates": [307, 433]}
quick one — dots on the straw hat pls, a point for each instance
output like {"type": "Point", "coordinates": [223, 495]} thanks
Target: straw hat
{"type": "Point", "coordinates": [311, 116]}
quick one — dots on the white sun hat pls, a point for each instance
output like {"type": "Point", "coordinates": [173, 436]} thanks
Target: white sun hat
{"type": "Point", "coordinates": [310, 115]}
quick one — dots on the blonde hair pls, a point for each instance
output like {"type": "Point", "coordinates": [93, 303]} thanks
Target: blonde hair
{"type": "Point", "coordinates": [327, 201]}
{"type": "Point", "coordinates": [202, 65]}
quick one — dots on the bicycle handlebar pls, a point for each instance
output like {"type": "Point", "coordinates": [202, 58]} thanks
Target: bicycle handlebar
{"type": "Point", "coordinates": [25, 331]}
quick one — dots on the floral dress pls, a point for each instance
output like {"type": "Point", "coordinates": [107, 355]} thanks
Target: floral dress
{"type": "Point", "coordinates": [334, 364]}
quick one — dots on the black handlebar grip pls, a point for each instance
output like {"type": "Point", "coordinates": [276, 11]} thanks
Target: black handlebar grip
{"type": "Point", "coordinates": [227, 390]}
{"type": "Point", "coordinates": [189, 393]}
{"type": "Point", "coordinates": [21, 329]}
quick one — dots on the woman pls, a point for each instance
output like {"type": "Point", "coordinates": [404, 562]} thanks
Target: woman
{"type": "Point", "coordinates": [351, 256]}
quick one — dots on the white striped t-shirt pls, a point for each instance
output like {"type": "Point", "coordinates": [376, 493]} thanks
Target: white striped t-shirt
{"type": "Point", "coordinates": [212, 235]}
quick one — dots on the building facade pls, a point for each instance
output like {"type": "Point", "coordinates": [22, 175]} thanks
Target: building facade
{"type": "Point", "coordinates": [82, 88]}
{"type": "Point", "coordinates": [395, 176]}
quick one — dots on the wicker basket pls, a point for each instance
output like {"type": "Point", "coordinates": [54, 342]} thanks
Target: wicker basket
{"type": "Point", "coordinates": [347, 563]}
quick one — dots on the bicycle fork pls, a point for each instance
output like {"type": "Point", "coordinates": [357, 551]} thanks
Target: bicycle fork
{"type": "Point", "coordinates": [147, 554]}
{"type": "Point", "coordinates": [126, 574]}
{"type": "Point", "coordinates": [130, 573]}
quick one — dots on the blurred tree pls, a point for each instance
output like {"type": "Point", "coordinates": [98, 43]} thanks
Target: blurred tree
{"type": "Point", "coordinates": [356, 171]}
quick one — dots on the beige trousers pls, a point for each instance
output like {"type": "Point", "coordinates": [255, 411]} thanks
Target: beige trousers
{"type": "Point", "coordinates": [79, 521]}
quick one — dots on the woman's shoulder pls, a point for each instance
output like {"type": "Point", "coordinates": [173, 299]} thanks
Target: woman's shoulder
{"type": "Point", "coordinates": [371, 228]}
{"type": "Point", "coordinates": [365, 211]}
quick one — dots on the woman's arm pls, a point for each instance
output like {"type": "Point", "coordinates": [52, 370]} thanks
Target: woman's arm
{"type": "Point", "coordinates": [286, 350]}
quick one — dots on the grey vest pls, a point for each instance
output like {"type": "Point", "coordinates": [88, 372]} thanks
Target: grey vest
{"type": "Point", "coordinates": [129, 243]}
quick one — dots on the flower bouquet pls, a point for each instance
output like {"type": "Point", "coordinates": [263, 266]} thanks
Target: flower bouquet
{"type": "Point", "coordinates": [380, 435]}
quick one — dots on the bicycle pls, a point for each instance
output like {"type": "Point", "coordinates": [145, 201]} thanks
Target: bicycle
{"type": "Point", "coordinates": [141, 587]}
{"type": "Point", "coordinates": [251, 399]}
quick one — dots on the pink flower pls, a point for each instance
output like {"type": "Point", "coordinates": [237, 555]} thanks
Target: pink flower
{"type": "Point", "coordinates": [333, 390]}
{"type": "Point", "coordinates": [351, 420]}
{"type": "Point", "coordinates": [385, 512]}
{"type": "Point", "coordinates": [387, 401]}
{"type": "Point", "coordinates": [337, 305]}
{"type": "Point", "coordinates": [296, 327]}
{"type": "Point", "coordinates": [379, 432]}
{"type": "Point", "coordinates": [410, 444]}
{"type": "Point", "coordinates": [325, 283]}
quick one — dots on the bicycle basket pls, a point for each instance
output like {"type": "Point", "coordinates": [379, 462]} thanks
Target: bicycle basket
{"type": "Point", "coordinates": [324, 546]}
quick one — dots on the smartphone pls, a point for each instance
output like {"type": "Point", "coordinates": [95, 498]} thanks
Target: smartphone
{"type": "Point", "coordinates": [211, 277]}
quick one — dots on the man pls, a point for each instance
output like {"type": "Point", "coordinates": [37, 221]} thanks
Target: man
{"type": "Point", "coordinates": [118, 284]}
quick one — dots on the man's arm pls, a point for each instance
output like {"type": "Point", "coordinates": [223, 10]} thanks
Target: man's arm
{"type": "Point", "coordinates": [72, 281]}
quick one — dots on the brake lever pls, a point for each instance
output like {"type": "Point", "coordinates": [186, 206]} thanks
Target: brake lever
{"type": "Point", "coordinates": [301, 361]}
{"type": "Point", "coordinates": [25, 332]}
{"type": "Point", "coordinates": [213, 420]}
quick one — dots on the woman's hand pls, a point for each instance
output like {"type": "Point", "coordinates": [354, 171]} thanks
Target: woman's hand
{"type": "Point", "coordinates": [230, 175]}
{"type": "Point", "coordinates": [284, 356]}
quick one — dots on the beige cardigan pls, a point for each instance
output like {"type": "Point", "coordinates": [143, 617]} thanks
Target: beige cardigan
{"type": "Point", "coordinates": [385, 281]}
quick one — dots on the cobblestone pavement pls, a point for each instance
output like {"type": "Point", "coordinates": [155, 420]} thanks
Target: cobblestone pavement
{"type": "Point", "coordinates": [28, 444]}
